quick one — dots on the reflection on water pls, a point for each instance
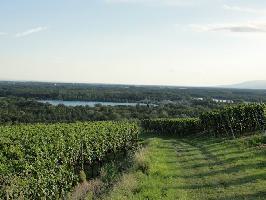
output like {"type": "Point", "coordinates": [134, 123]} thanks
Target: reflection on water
{"type": "Point", "coordinates": [88, 103]}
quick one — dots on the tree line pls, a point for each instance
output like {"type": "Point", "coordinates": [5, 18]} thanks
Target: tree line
{"type": "Point", "coordinates": [20, 110]}
{"type": "Point", "coordinates": [123, 93]}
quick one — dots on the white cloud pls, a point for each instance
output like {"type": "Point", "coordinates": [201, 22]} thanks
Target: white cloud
{"type": "Point", "coordinates": [31, 31]}
{"type": "Point", "coordinates": [244, 9]}
{"type": "Point", "coordinates": [249, 27]}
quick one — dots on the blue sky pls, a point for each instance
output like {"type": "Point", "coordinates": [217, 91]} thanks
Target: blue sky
{"type": "Point", "coordinates": [169, 42]}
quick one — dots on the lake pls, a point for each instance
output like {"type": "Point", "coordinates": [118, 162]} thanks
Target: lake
{"type": "Point", "coordinates": [88, 103]}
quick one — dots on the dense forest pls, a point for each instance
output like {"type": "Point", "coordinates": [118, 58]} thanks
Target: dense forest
{"type": "Point", "coordinates": [17, 110]}
{"type": "Point", "coordinates": [19, 101]}
{"type": "Point", "coordinates": [124, 93]}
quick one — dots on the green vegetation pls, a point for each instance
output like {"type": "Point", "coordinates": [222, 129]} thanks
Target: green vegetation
{"type": "Point", "coordinates": [18, 102]}
{"type": "Point", "coordinates": [233, 121]}
{"type": "Point", "coordinates": [125, 93]}
{"type": "Point", "coordinates": [180, 159]}
{"type": "Point", "coordinates": [20, 110]}
{"type": "Point", "coordinates": [44, 161]}
{"type": "Point", "coordinates": [176, 127]}
{"type": "Point", "coordinates": [194, 168]}
{"type": "Point", "coordinates": [228, 122]}
{"type": "Point", "coordinates": [109, 174]}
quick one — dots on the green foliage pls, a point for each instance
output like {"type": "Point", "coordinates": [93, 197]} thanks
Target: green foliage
{"type": "Point", "coordinates": [19, 110]}
{"type": "Point", "coordinates": [233, 121]}
{"type": "Point", "coordinates": [124, 93]}
{"type": "Point", "coordinates": [177, 127]}
{"type": "Point", "coordinates": [82, 176]}
{"type": "Point", "coordinates": [228, 122]}
{"type": "Point", "coordinates": [141, 161]}
{"type": "Point", "coordinates": [197, 168]}
{"type": "Point", "coordinates": [109, 172]}
{"type": "Point", "coordinates": [44, 161]}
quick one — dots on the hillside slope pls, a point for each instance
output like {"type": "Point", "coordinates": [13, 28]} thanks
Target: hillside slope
{"type": "Point", "coordinates": [198, 168]}
{"type": "Point", "coordinates": [259, 84]}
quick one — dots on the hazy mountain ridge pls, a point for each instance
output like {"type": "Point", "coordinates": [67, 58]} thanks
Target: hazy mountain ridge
{"type": "Point", "coordinates": [257, 84]}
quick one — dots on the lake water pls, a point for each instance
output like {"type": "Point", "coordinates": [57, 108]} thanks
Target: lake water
{"type": "Point", "coordinates": [88, 103]}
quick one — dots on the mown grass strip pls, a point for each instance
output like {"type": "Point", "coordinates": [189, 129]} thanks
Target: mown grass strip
{"type": "Point", "coordinates": [200, 168]}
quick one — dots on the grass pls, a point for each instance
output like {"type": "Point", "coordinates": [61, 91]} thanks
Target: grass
{"type": "Point", "coordinates": [196, 168]}
{"type": "Point", "coordinates": [94, 185]}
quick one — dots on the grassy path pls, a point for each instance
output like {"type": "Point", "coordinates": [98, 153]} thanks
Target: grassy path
{"type": "Point", "coordinates": [210, 169]}
{"type": "Point", "coordinates": [216, 170]}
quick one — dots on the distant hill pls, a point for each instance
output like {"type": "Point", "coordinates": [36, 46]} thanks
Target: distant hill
{"type": "Point", "coordinates": [259, 84]}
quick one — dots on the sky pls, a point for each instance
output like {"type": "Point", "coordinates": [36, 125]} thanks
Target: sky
{"type": "Point", "coordinates": [150, 42]}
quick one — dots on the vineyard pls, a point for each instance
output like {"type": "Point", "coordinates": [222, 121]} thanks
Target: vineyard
{"type": "Point", "coordinates": [43, 161]}
{"type": "Point", "coordinates": [229, 122]}
{"type": "Point", "coordinates": [176, 127]}
{"type": "Point", "coordinates": [233, 121]}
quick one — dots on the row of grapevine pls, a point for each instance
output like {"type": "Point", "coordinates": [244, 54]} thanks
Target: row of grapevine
{"type": "Point", "coordinates": [42, 161]}
{"type": "Point", "coordinates": [233, 121]}
{"type": "Point", "coordinates": [177, 127]}
{"type": "Point", "coordinates": [230, 121]}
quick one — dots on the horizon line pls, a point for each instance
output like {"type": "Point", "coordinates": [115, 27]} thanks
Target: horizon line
{"type": "Point", "coordinates": [131, 84]}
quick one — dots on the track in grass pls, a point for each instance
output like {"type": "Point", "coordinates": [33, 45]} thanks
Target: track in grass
{"type": "Point", "coordinates": [211, 169]}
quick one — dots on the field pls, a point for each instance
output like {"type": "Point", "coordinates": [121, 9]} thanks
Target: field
{"type": "Point", "coordinates": [197, 168]}
{"type": "Point", "coordinates": [220, 155]}
{"type": "Point", "coordinates": [46, 161]}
